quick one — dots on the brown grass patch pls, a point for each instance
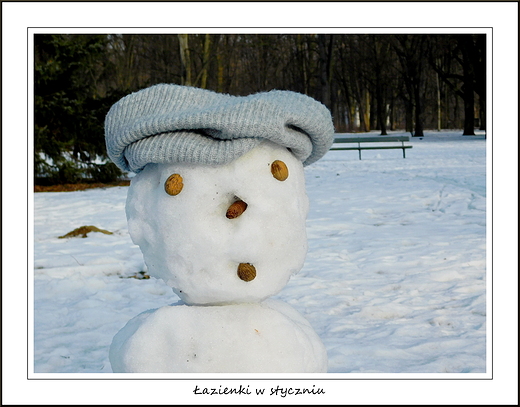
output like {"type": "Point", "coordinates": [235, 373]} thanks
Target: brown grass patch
{"type": "Point", "coordinates": [83, 231]}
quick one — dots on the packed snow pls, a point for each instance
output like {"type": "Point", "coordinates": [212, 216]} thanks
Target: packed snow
{"type": "Point", "coordinates": [394, 279]}
{"type": "Point", "coordinates": [260, 337]}
{"type": "Point", "coordinates": [189, 241]}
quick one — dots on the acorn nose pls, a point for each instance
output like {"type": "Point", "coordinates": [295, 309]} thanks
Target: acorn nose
{"type": "Point", "coordinates": [236, 209]}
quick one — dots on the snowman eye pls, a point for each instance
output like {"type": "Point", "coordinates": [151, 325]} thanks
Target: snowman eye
{"type": "Point", "coordinates": [173, 185]}
{"type": "Point", "coordinates": [279, 170]}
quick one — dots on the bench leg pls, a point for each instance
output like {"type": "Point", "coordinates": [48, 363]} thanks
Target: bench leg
{"type": "Point", "coordinates": [359, 151]}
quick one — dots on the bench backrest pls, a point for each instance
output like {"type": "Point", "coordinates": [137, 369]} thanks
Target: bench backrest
{"type": "Point", "coordinates": [376, 139]}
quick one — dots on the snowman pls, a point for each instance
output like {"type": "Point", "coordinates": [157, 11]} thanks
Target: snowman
{"type": "Point", "coordinates": [218, 209]}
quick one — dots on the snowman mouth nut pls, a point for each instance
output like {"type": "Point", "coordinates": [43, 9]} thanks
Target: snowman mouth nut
{"type": "Point", "coordinates": [246, 272]}
{"type": "Point", "coordinates": [279, 170]}
{"type": "Point", "coordinates": [173, 185]}
{"type": "Point", "coordinates": [236, 209]}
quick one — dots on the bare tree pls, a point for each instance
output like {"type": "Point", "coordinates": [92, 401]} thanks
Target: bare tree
{"type": "Point", "coordinates": [460, 61]}
{"type": "Point", "coordinates": [184, 51]}
{"type": "Point", "coordinates": [412, 57]}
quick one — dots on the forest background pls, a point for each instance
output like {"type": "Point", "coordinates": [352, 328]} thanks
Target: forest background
{"type": "Point", "coordinates": [368, 81]}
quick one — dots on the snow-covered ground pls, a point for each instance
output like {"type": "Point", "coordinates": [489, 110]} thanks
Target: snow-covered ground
{"type": "Point", "coordinates": [394, 280]}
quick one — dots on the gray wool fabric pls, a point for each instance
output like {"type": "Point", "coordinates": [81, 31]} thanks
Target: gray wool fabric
{"type": "Point", "coordinates": [170, 123]}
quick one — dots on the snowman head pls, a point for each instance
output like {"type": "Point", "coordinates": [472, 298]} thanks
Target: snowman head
{"type": "Point", "coordinates": [223, 233]}
{"type": "Point", "coordinates": [218, 205]}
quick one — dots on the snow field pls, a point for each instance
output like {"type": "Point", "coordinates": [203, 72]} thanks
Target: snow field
{"type": "Point", "coordinates": [394, 280]}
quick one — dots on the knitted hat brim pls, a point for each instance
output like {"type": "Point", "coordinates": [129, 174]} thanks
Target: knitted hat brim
{"type": "Point", "coordinates": [170, 123]}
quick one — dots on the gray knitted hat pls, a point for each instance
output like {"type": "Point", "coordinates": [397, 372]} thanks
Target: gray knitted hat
{"type": "Point", "coordinates": [170, 123]}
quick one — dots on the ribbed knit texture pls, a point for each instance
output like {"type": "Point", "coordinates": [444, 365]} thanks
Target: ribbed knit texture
{"type": "Point", "coordinates": [169, 123]}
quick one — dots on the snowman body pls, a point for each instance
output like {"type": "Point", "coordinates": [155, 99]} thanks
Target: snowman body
{"type": "Point", "coordinates": [265, 337]}
{"type": "Point", "coordinates": [225, 238]}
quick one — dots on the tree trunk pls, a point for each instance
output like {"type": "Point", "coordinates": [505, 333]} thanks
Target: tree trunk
{"type": "Point", "coordinates": [372, 113]}
{"type": "Point", "coordinates": [482, 112]}
{"type": "Point", "coordinates": [364, 111]}
{"type": "Point", "coordinates": [418, 113]}
{"type": "Point", "coordinates": [439, 110]}
{"type": "Point", "coordinates": [468, 87]}
{"type": "Point", "coordinates": [205, 62]}
{"type": "Point", "coordinates": [391, 114]}
{"type": "Point", "coordinates": [469, 110]}
{"type": "Point", "coordinates": [185, 59]}
{"type": "Point", "coordinates": [324, 65]}
{"type": "Point", "coordinates": [381, 108]}
{"type": "Point", "coordinates": [220, 64]}
{"type": "Point", "coordinates": [408, 106]}
{"type": "Point", "coordinates": [302, 63]}
{"type": "Point", "coordinates": [480, 76]}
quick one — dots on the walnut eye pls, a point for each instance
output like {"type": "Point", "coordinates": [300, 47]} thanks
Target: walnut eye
{"type": "Point", "coordinates": [173, 185]}
{"type": "Point", "coordinates": [279, 170]}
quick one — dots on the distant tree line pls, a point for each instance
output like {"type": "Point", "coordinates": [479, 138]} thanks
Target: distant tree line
{"type": "Point", "coordinates": [368, 81]}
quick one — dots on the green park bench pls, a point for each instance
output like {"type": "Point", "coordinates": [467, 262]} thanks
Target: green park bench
{"type": "Point", "coordinates": [362, 141]}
